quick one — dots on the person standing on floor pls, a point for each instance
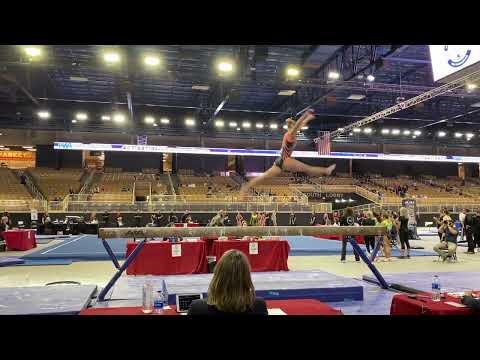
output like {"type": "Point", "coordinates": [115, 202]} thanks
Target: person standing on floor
{"type": "Point", "coordinates": [469, 226]}
{"type": "Point", "coordinates": [476, 230]}
{"type": "Point", "coordinates": [402, 224]}
{"type": "Point", "coordinates": [461, 217]}
{"type": "Point", "coordinates": [313, 219]}
{"type": "Point", "coordinates": [347, 220]}
{"type": "Point", "coordinates": [239, 219]}
{"type": "Point", "coordinates": [292, 219]}
{"type": "Point", "coordinates": [387, 246]}
{"type": "Point", "coordinates": [253, 219]}
{"type": "Point", "coordinates": [274, 218]}
{"type": "Point", "coordinates": [369, 239]}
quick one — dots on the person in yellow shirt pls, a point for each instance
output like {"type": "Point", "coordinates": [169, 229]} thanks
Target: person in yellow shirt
{"type": "Point", "coordinates": [387, 248]}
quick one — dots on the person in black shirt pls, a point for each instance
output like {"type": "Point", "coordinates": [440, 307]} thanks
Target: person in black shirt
{"type": "Point", "coordinates": [185, 216]}
{"type": "Point", "coordinates": [313, 219]}
{"type": "Point", "coordinates": [138, 219]}
{"type": "Point", "coordinates": [231, 291]}
{"type": "Point", "coordinates": [470, 220]}
{"type": "Point", "coordinates": [476, 229]}
{"type": "Point", "coordinates": [369, 239]}
{"type": "Point", "coordinates": [470, 301]}
{"type": "Point", "coordinates": [402, 224]}
{"type": "Point", "coordinates": [161, 220]}
{"type": "Point", "coordinates": [347, 220]}
{"type": "Point", "coordinates": [292, 219]}
{"type": "Point", "coordinates": [105, 218]}
{"type": "Point", "coordinates": [172, 219]}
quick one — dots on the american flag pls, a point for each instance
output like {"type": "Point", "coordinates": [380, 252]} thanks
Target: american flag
{"type": "Point", "coordinates": [323, 143]}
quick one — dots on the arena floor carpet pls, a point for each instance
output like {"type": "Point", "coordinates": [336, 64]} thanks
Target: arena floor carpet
{"type": "Point", "coordinates": [449, 281]}
{"type": "Point", "coordinates": [89, 247]}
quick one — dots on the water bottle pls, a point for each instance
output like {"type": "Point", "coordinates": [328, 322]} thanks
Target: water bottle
{"type": "Point", "coordinates": [158, 302]}
{"type": "Point", "coordinates": [435, 288]}
{"type": "Point", "coordinates": [147, 297]}
{"type": "Point", "coordinates": [165, 293]}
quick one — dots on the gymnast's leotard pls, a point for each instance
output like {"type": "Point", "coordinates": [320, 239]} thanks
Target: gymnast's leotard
{"type": "Point", "coordinates": [288, 144]}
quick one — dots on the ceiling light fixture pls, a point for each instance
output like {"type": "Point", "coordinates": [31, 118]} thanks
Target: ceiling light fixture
{"type": "Point", "coordinates": [111, 57]}
{"type": "Point", "coordinates": [164, 121]}
{"type": "Point", "coordinates": [151, 60]}
{"type": "Point", "coordinates": [219, 123]}
{"type": "Point", "coordinates": [395, 132]}
{"type": "Point", "coordinates": [81, 116]}
{"type": "Point", "coordinates": [33, 51]}
{"type": "Point", "coordinates": [273, 126]}
{"type": "Point", "coordinates": [189, 122]}
{"type": "Point", "coordinates": [149, 119]}
{"type": "Point", "coordinates": [119, 118]}
{"type": "Point", "coordinates": [293, 72]}
{"type": "Point", "coordinates": [259, 125]}
{"type": "Point", "coordinates": [43, 114]}
{"type": "Point", "coordinates": [225, 66]}
{"type": "Point", "coordinates": [334, 75]}
{"type": "Point", "coordinates": [246, 125]}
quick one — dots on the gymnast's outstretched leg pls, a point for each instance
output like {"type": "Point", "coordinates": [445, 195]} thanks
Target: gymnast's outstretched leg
{"type": "Point", "coordinates": [294, 165]}
{"type": "Point", "coordinates": [272, 172]}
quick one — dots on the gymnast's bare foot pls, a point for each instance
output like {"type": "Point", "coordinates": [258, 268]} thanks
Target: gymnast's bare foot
{"type": "Point", "coordinates": [330, 169]}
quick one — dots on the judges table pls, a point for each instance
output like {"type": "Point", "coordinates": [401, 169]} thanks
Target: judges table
{"type": "Point", "coordinates": [424, 305]}
{"type": "Point", "coordinates": [165, 258]}
{"type": "Point", "coordinates": [275, 307]}
{"type": "Point", "coordinates": [20, 239]}
{"type": "Point", "coordinates": [264, 255]}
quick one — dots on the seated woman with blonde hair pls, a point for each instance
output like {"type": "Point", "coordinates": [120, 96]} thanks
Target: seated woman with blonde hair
{"type": "Point", "coordinates": [231, 290]}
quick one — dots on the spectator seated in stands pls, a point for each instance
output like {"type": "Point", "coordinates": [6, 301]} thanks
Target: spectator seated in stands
{"type": "Point", "coordinates": [231, 290]}
{"type": "Point", "coordinates": [448, 246]}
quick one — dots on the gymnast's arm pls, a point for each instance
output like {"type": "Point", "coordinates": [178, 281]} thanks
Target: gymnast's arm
{"type": "Point", "coordinates": [306, 117]}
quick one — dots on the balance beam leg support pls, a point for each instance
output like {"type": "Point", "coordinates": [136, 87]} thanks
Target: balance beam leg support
{"type": "Point", "coordinates": [110, 253]}
{"type": "Point", "coordinates": [366, 260]}
{"type": "Point", "coordinates": [128, 261]}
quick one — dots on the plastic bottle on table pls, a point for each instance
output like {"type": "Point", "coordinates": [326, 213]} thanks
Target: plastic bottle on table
{"type": "Point", "coordinates": [436, 288]}
{"type": "Point", "coordinates": [147, 297]}
{"type": "Point", "coordinates": [165, 293]}
{"type": "Point", "coordinates": [158, 302]}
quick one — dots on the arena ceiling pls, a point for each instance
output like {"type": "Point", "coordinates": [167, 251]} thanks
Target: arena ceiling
{"type": "Point", "coordinates": [65, 80]}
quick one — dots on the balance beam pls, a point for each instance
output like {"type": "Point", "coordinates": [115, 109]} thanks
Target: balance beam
{"type": "Point", "coordinates": [146, 233]}
{"type": "Point", "coordinates": [239, 231]}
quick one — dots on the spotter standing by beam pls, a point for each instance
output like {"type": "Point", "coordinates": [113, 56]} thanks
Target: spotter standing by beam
{"type": "Point", "coordinates": [285, 162]}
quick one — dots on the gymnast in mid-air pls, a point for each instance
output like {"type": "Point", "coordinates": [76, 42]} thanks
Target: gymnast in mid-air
{"type": "Point", "coordinates": [285, 162]}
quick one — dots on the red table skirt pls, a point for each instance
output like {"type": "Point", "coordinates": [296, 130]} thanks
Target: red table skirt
{"type": "Point", "coordinates": [272, 254]}
{"type": "Point", "coordinates": [290, 307]}
{"type": "Point", "coordinates": [423, 305]}
{"type": "Point", "coordinates": [187, 225]}
{"type": "Point", "coordinates": [20, 239]}
{"type": "Point", "coordinates": [156, 259]}
{"type": "Point", "coordinates": [360, 239]}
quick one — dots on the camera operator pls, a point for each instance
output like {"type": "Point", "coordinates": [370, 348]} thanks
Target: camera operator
{"type": "Point", "coordinates": [448, 245]}
{"type": "Point", "coordinates": [469, 225]}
